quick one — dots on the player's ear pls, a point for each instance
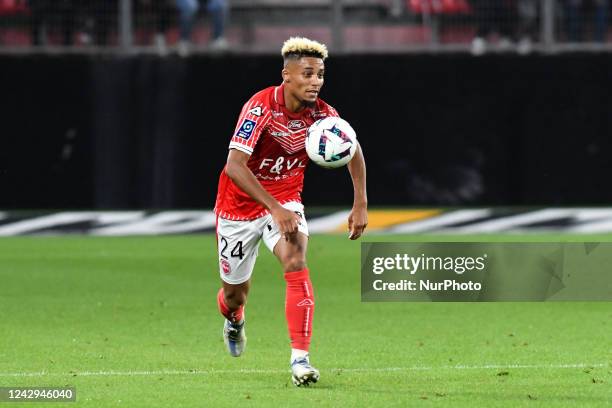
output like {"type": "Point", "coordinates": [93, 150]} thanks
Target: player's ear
{"type": "Point", "coordinates": [285, 74]}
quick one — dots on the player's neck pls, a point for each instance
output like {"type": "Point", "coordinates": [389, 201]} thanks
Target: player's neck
{"type": "Point", "coordinates": [292, 104]}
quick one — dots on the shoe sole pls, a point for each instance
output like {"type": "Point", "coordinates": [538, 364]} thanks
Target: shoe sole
{"type": "Point", "coordinates": [305, 379]}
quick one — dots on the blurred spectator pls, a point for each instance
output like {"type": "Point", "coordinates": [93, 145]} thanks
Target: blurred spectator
{"type": "Point", "coordinates": [187, 13]}
{"type": "Point", "coordinates": [98, 17]}
{"type": "Point", "coordinates": [527, 24]}
{"type": "Point", "coordinates": [219, 12]}
{"type": "Point", "coordinates": [101, 18]}
{"type": "Point", "coordinates": [162, 11]}
{"type": "Point", "coordinates": [492, 16]}
{"type": "Point", "coordinates": [577, 16]}
{"type": "Point", "coordinates": [47, 13]}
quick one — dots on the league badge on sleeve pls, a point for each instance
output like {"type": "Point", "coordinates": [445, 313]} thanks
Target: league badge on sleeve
{"type": "Point", "coordinates": [246, 129]}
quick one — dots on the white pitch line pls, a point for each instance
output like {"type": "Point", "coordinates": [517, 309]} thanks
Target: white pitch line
{"type": "Point", "coordinates": [278, 371]}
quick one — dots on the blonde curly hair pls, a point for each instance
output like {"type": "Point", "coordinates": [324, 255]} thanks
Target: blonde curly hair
{"type": "Point", "coordinates": [297, 47]}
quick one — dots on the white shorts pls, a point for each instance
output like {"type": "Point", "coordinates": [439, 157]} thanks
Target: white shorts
{"type": "Point", "coordinates": [238, 243]}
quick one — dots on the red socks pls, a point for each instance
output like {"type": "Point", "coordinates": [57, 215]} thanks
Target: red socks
{"type": "Point", "coordinates": [233, 317]}
{"type": "Point", "coordinates": [299, 308]}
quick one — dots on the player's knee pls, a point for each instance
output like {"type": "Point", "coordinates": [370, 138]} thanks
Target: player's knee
{"type": "Point", "coordinates": [294, 263]}
{"type": "Point", "coordinates": [235, 298]}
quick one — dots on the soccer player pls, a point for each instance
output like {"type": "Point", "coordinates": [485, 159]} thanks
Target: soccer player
{"type": "Point", "coordinates": [259, 197]}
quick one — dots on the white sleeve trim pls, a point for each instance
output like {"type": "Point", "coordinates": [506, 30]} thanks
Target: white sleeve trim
{"type": "Point", "coordinates": [241, 147]}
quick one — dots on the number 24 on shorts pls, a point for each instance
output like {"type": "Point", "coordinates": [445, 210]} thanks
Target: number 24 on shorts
{"type": "Point", "coordinates": [235, 252]}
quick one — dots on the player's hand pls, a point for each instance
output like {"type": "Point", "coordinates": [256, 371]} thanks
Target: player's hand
{"type": "Point", "coordinates": [286, 220]}
{"type": "Point", "coordinates": [357, 221]}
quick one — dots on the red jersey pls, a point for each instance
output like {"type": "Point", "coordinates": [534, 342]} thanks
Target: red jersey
{"type": "Point", "coordinates": [274, 138]}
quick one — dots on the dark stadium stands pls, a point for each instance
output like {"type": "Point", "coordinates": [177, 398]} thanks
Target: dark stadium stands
{"type": "Point", "coordinates": [257, 25]}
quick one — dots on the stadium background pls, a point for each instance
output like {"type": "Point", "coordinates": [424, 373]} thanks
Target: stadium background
{"type": "Point", "coordinates": [122, 125]}
{"type": "Point", "coordinates": [145, 132]}
{"type": "Point", "coordinates": [511, 138]}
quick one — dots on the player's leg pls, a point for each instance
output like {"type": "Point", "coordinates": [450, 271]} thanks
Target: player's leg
{"type": "Point", "coordinates": [299, 296]}
{"type": "Point", "coordinates": [299, 305]}
{"type": "Point", "coordinates": [237, 243]}
{"type": "Point", "coordinates": [231, 300]}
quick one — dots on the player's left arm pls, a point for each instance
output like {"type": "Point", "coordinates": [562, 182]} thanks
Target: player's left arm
{"type": "Point", "coordinates": [358, 218]}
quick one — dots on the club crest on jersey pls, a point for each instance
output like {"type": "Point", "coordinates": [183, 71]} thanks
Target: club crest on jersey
{"type": "Point", "coordinates": [226, 267]}
{"type": "Point", "coordinates": [246, 129]}
{"type": "Point", "coordinates": [296, 124]}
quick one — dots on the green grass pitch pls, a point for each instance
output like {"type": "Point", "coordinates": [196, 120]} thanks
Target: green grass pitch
{"type": "Point", "coordinates": [132, 322]}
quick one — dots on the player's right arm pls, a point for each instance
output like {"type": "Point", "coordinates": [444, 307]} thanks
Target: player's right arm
{"type": "Point", "coordinates": [237, 169]}
{"type": "Point", "coordinates": [253, 120]}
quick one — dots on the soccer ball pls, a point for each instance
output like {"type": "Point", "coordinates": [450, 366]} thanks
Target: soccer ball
{"type": "Point", "coordinates": [331, 142]}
